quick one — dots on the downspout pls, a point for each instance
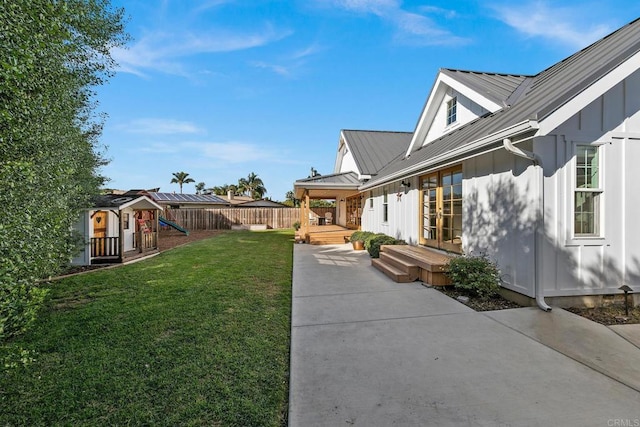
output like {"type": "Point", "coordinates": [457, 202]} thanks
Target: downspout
{"type": "Point", "coordinates": [508, 145]}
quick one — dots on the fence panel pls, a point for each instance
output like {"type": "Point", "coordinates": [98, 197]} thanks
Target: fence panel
{"type": "Point", "coordinates": [223, 219]}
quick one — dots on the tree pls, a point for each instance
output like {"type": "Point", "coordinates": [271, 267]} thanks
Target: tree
{"type": "Point", "coordinates": [291, 199]}
{"type": "Point", "coordinates": [181, 178]}
{"type": "Point", "coordinates": [252, 186]}
{"type": "Point", "coordinates": [200, 187]}
{"type": "Point", "coordinates": [52, 55]}
{"type": "Point", "coordinates": [223, 190]}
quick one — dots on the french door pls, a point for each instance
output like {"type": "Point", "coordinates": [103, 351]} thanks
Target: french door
{"type": "Point", "coordinates": [441, 209]}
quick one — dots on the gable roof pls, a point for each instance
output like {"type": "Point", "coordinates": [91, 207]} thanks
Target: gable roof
{"type": "Point", "coordinates": [121, 201]}
{"type": "Point", "coordinates": [535, 99]}
{"type": "Point", "coordinates": [497, 87]}
{"type": "Point", "coordinates": [372, 150]}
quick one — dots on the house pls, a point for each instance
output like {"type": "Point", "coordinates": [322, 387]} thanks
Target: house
{"type": "Point", "coordinates": [536, 171]}
{"type": "Point", "coordinates": [177, 201]}
{"type": "Point", "coordinates": [117, 228]}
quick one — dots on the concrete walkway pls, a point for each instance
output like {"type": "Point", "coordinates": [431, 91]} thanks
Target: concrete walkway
{"type": "Point", "coordinates": [369, 352]}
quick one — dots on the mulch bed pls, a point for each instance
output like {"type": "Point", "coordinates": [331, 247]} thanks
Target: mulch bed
{"type": "Point", "coordinates": [478, 304]}
{"type": "Point", "coordinates": [610, 315]}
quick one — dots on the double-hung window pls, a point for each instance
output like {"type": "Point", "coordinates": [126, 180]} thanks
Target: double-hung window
{"type": "Point", "coordinates": [452, 107]}
{"type": "Point", "coordinates": [385, 206]}
{"type": "Point", "coordinates": [587, 192]}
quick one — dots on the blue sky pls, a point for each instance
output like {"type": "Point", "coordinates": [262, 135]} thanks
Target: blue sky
{"type": "Point", "coordinates": [223, 88]}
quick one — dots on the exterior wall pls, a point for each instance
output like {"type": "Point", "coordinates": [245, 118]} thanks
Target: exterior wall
{"type": "Point", "coordinates": [128, 234]}
{"type": "Point", "coordinates": [500, 205]}
{"type": "Point", "coordinates": [403, 211]}
{"type": "Point", "coordinates": [348, 164]}
{"type": "Point", "coordinates": [596, 265]}
{"type": "Point", "coordinates": [82, 227]}
{"type": "Point", "coordinates": [466, 111]}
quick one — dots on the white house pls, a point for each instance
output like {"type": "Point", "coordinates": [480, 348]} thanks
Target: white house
{"type": "Point", "coordinates": [536, 171]}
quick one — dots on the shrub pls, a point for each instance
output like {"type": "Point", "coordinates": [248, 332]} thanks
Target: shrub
{"type": "Point", "coordinates": [374, 242]}
{"type": "Point", "coordinates": [475, 274]}
{"type": "Point", "coordinates": [296, 225]}
{"type": "Point", "coordinates": [360, 236]}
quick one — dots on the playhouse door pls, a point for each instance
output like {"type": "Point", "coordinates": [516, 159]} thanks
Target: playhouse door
{"type": "Point", "coordinates": [100, 224]}
{"type": "Point", "coordinates": [441, 209]}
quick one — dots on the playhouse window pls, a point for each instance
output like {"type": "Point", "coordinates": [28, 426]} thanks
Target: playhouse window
{"type": "Point", "coordinates": [125, 221]}
{"type": "Point", "coordinates": [588, 191]}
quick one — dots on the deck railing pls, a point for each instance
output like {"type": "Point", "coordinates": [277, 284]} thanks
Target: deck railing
{"type": "Point", "coordinates": [149, 240]}
{"type": "Point", "coordinates": [105, 247]}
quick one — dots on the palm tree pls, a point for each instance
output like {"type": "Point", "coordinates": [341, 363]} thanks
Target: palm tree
{"type": "Point", "coordinates": [223, 190]}
{"type": "Point", "coordinates": [200, 187]}
{"type": "Point", "coordinates": [252, 186]}
{"type": "Point", "coordinates": [181, 178]}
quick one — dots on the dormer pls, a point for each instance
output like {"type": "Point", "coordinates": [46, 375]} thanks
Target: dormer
{"type": "Point", "coordinates": [459, 97]}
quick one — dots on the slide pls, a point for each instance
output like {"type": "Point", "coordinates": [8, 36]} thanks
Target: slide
{"type": "Point", "coordinates": [164, 221]}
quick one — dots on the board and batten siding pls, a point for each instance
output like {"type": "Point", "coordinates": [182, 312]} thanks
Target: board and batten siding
{"type": "Point", "coordinates": [594, 265]}
{"type": "Point", "coordinates": [403, 219]}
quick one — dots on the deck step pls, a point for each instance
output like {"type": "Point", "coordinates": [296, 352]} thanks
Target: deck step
{"type": "Point", "coordinates": [431, 264]}
{"type": "Point", "coordinates": [395, 274]}
{"type": "Point", "coordinates": [401, 263]}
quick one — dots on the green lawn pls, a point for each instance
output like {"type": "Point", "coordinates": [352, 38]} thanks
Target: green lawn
{"type": "Point", "coordinates": [198, 335]}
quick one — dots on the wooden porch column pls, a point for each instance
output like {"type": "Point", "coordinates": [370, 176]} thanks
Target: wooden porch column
{"type": "Point", "coordinates": [157, 220]}
{"type": "Point", "coordinates": [120, 237]}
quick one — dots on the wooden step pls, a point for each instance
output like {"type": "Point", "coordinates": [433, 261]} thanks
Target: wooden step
{"type": "Point", "coordinates": [401, 263]}
{"type": "Point", "coordinates": [432, 264]}
{"type": "Point", "coordinates": [396, 275]}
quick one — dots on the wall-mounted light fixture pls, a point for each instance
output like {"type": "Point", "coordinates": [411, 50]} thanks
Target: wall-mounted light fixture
{"type": "Point", "coordinates": [405, 184]}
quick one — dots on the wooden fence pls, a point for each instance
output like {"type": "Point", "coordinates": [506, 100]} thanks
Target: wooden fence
{"type": "Point", "coordinates": [223, 219]}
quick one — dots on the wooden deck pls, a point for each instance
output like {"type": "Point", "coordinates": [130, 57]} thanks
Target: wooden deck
{"type": "Point", "coordinates": [404, 264]}
{"type": "Point", "coordinates": [326, 235]}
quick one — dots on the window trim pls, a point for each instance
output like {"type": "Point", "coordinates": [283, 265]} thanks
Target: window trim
{"type": "Point", "coordinates": [452, 111]}
{"type": "Point", "coordinates": [385, 206]}
{"type": "Point", "coordinates": [598, 221]}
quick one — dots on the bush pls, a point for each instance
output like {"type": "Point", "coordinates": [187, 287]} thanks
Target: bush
{"type": "Point", "coordinates": [360, 236]}
{"type": "Point", "coordinates": [296, 225]}
{"type": "Point", "coordinates": [372, 245]}
{"type": "Point", "coordinates": [477, 275]}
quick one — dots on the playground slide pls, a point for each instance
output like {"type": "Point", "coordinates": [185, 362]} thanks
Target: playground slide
{"type": "Point", "coordinates": [164, 221]}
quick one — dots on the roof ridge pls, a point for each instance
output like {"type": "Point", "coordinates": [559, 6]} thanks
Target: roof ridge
{"type": "Point", "coordinates": [488, 72]}
{"type": "Point", "coordinates": [379, 131]}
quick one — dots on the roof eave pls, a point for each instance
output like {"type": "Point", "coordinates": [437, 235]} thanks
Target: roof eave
{"type": "Point", "coordinates": [510, 132]}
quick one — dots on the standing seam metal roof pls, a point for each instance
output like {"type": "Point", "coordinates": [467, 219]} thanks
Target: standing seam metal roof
{"type": "Point", "coordinates": [373, 150]}
{"type": "Point", "coordinates": [540, 96]}
{"type": "Point", "coordinates": [497, 87]}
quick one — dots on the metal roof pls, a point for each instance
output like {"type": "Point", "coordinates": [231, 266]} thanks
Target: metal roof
{"type": "Point", "coordinates": [534, 99]}
{"type": "Point", "coordinates": [187, 198]}
{"type": "Point", "coordinates": [373, 150]}
{"type": "Point", "coordinates": [494, 86]}
{"type": "Point", "coordinates": [345, 179]}
{"type": "Point", "coordinates": [120, 201]}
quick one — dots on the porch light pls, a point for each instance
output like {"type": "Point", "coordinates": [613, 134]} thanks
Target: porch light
{"type": "Point", "coordinates": [405, 184]}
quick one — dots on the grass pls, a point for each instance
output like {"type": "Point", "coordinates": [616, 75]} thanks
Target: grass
{"type": "Point", "coordinates": [196, 336]}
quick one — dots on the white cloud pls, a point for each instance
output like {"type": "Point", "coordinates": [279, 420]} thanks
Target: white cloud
{"type": "Point", "coordinates": [160, 127]}
{"type": "Point", "coordinates": [162, 51]}
{"type": "Point", "coordinates": [278, 69]}
{"type": "Point", "coordinates": [560, 24]}
{"type": "Point", "coordinates": [230, 152]}
{"type": "Point", "coordinates": [411, 27]}
{"type": "Point", "coordinates": [289, 64]}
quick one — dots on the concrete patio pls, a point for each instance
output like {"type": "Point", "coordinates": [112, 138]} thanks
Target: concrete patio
{"type": "Point", "coordinates": [370, 352]}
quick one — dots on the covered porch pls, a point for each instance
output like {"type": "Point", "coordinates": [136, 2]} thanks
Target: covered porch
{"type": "Point", "coordinates": [343, 189]}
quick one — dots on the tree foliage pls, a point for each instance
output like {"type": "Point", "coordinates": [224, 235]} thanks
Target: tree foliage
{"type": "Point", "coordinates": [252, 186]}
{"type": "Point", "coordinates": [181, 178]}
{"type": "Point", "coordinates": [52, 56]}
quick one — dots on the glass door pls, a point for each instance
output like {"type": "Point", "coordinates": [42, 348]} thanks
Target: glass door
{"type": "Point", "coordinates": [441, 210]}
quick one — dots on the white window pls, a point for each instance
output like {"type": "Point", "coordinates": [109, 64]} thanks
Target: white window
{"type": "Point", "coordinates": [385, 207]}
{"type": "Point", "coordinates": [587, 192]}
{"type": "Point", "coordinates": [452, 106]}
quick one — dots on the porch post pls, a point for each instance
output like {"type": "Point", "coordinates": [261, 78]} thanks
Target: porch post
{"type": "Point", "coordinates": [157, 215]}
{"type": "Point", "coordinates": [120, 238]}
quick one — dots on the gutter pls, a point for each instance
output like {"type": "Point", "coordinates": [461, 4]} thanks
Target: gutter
{"type": "Point", "coordinates": [537, 161]}
{"type": "Point", "coordinates": [515, 130]}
